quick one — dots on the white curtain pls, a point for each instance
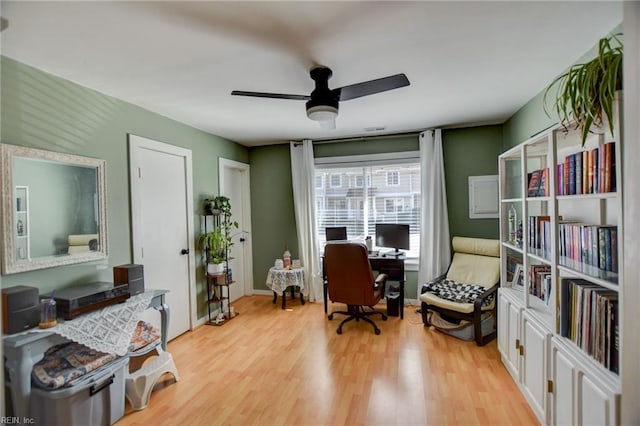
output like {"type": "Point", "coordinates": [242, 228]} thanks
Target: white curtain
{"type": "Point", "coordinates": [435, 245]}
{"type": "Point", "coordinates": [303, 177]}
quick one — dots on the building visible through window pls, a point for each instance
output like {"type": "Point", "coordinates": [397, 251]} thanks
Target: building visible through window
{"type": "Point", "coordinates": [360, 197]}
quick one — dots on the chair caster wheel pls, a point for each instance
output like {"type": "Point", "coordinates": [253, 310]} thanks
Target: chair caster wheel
{"type": "Point", "coordinates": [377, 331]}
{"type": "Point", "coordinates": [330, 317]}
{"type": "Point", "coordinates": [339, 331]}
{"type": "Point", "coordinates": [384, 318]}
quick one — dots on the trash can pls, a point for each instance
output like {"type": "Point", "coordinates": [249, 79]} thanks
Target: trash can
{"type": "Point", "coordinates": [393, 303]}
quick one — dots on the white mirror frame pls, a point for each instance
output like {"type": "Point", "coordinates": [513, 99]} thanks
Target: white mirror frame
{"type": "Point", "coordinates": [10, 264]}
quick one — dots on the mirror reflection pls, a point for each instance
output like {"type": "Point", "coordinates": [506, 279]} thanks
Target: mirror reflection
{"type": "Point", "coordinates": [53, 209]}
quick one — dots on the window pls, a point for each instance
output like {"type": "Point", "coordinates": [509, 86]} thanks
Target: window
{"type": "Point", "coordinates": [377, 197]}
{"type": "Point", "coordinates": [318, 182]}
{"type": "Point", "coordinates": [393, 178]}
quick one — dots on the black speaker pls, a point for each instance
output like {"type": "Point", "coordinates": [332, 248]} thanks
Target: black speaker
{"type": "Point", "coordinates": [130, 274]}
{"type": "Point", "coordinates": [20, 308]}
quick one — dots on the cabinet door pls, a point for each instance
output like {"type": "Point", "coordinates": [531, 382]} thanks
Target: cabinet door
{"type": "Point", "coordinates": [596, 405]}
{"type": "Point", "coordinates": [509, 334]}
{"type": "Point", "coordinates": [534, 365]}
{"type": "Point", "coordinates": [563, 374]}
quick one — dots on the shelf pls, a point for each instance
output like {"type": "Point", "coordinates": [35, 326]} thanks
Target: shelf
{"type": "Point", "coordinates": [511, 200]}
{"type": "Point", "coordinates": [538, 255]}
{"type": "Point", "coordinates": [590, 273]}
{"type": "Point", "coordinates": [513, 247]}
{"type": "Point", "coordinates": [226, 320]}
{"type": "Point", "coordinates": [538, 198]}
{"type": "Point", "coordinates": [598, 196]}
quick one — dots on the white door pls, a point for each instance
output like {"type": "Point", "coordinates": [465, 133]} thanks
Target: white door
{"type": "Point", "coordinates": [162, 220]}
{"type": "Point", "coordinates": [234, 183]}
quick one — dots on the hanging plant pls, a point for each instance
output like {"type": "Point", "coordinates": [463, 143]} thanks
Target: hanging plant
{"type": "Point", "coordinates": [585, 93]}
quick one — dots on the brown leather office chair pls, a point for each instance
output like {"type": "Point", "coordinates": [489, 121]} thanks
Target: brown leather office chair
{"type": "Point", "coordinates": [351, 282]}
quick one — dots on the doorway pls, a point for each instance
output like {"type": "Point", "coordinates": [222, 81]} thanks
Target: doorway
{"type": "Point", "coordinates": [162, 223]}
{"type": "Point", "coordinates": [234, 183]}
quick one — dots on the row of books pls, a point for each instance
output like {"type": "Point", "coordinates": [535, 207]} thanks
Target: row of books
{"type": "Point", "coordinates": [595, 245]}
{"type": "Point", "coordinates": [540, 281]}
{"type": "Point", "coordinates": [539, 235]}
{"type": "Point", "coordinates": [589, 318]}
{"type": "Point", "coordinates": [588, 172]}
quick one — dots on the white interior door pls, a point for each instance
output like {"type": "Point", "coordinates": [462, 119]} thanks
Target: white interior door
{"type": "Point", "coordinates": [162, 219]}
{"type": "Point", "coordinates": [234, 183]}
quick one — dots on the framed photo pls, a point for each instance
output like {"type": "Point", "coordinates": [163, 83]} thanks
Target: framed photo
{"type": "Point", "coordinates": [518, 277]}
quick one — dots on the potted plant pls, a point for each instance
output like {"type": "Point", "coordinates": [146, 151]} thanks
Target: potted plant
{"type": "Point", "coordinates": [215, 245]}
{"type": "Point", "coordinates": [586, 92]}
{"type": "Point", "coordinates": [218, 242]}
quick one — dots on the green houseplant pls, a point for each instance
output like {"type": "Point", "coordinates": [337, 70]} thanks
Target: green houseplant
{"type": "Point", "coordinates": [217, 243]}
{"type": "Point", "coordinates": [585, 93]}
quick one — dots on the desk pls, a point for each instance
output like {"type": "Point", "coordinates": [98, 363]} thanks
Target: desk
{"type": "Point", "coordinates": [24, 349]}
{"type": "Point", "coordinates": [278, 280]}
{"type": "Point", "coordinates": [391, 265]}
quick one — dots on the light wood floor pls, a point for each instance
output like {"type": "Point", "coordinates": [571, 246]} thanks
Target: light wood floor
{"type": "Point", "coordinates": [273, 367]}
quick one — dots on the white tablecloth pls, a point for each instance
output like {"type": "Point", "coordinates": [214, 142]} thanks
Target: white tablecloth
{"type": "Point", "coordinates": [279, 280]}
{"type": "Point", "coordinates": [109, 329]}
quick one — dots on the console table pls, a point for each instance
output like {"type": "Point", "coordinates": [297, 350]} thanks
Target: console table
{"type": "Point", "coordinates": [391, 265]}
{"type": "Point", "coordinates": [23, 350]}
{"type": "Point", "coordinates": [278, 280]}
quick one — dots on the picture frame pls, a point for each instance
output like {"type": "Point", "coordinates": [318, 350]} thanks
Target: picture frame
{"type": "Point", "coordinates": [518, 277]}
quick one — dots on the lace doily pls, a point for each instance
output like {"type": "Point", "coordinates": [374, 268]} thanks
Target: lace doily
{"type": "Point", "coordinates": [109, 329]}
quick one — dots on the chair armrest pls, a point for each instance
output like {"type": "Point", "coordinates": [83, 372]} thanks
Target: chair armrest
{"type": "Point", "coordinates": [381, 280]}
{"type": "Point", "coordinates": [477, 304]}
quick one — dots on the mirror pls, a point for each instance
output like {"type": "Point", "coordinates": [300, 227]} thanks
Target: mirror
{"type": "Point", "coordinates": [53, 209]}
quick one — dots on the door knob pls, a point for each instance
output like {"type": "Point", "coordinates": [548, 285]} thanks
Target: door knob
{"type": "Point", "coordinates": [184, 251]}
{"type": "Point", "coordinates": [242, 239]}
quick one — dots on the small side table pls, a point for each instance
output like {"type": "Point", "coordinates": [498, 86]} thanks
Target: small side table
{"type": "Point", "coordinates": [278, 280]}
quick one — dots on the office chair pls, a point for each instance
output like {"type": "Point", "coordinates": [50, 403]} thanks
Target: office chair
{"type": "Point", "coordinates": [351, 282]}
{"type": "Point", "coordinates": [335, 233]}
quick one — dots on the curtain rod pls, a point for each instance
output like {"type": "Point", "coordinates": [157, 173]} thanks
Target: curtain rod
{"type": "Point", "coordinates": [362, 138]}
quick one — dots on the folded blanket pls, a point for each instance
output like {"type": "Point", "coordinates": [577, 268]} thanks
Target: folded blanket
{"type": "Point", "coordinates": [456, 292]}
{"type": "Point", "coordinates": [66, 362]}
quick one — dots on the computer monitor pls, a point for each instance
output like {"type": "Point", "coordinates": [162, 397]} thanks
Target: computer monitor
{"type": "Point", "coordinates": [335, 233]}
{"type": "Point", "coordinates": [392, 235]}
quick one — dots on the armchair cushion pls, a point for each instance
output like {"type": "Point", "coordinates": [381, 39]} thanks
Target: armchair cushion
{"type": "Point", "coordinates": [443, 296]}
{"type": "Point", "coordinates": [457, 292]}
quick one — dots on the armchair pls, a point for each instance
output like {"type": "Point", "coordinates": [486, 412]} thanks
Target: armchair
{"type": "Point", "coordinates": [350, 281]}
{"type": "Point", "coordinates": [468, 290]}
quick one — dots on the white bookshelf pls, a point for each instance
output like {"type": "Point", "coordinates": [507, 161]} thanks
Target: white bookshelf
{"type": "Point", "coordinates": [560, 332]}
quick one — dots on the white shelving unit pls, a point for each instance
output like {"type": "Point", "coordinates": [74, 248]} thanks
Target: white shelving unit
{"type": "Point", "coordinates": [559, 332]}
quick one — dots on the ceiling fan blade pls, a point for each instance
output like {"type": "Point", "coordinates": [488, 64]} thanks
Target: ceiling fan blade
{"type": "Point", "coordinates": [371, 87]}
{"type": "Point", "coordinates": [271, 95]}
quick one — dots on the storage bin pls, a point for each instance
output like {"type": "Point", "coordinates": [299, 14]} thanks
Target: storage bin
{"type": "Point", "coordinates": [463, 330]}
{"type": "Point", "coordinates": [97, 399]}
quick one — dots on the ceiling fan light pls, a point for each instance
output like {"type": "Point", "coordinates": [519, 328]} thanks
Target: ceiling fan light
{"type": "Point", "coordinates": [322, 113]}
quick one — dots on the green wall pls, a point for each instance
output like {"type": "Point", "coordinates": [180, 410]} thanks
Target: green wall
{"type": "Point", "coordinates": [43, 111]}
{"type": "Point", "coordinates": [471, 151]}
{"type": "Point", "coordinates": [468, 152]}
{"type": "Point", "coordinates": [273, 222]}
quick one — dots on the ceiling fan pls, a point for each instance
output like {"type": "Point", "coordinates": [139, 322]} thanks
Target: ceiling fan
{"type": "Point", "coordinates": [323, 103]}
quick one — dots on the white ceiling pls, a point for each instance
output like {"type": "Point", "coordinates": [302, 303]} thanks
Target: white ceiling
{"type": "Point", "coordinates": [469, 63]}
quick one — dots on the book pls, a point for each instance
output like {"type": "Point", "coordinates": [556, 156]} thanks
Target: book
{"type": "Point", "coordinates": [543, 187]}
{"type": "Point", "coordinates": [534, 183]}
{"type": "Point", "coordinates": [572, 174]}
{"type": "Point", "coordinates": [585, 172]}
